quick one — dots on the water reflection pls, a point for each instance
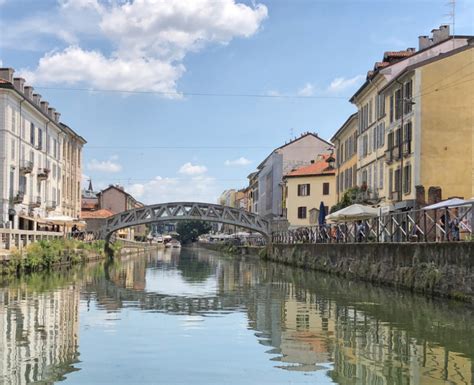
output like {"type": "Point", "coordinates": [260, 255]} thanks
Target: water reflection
{"type": "Point", "coordinates": [309, 323]}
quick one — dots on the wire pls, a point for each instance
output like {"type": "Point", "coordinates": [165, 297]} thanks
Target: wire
{"type": "Point", "coordinates": [211, 94]}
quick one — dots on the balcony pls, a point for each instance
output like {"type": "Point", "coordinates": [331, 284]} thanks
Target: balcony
{"type": "Point", "coordinates": [18, 197]}
{"type": "Point", "coordinates": [406, 148]}
{"type": "Point", "coordinates": [396, 152]}
{"type": "Point", "coordinates": [26, 166]}
{"type": "Point", "coordinates": [35, 201]}
{"type": "Point", "coordinates": [389, 156]}
{"type": "Point", "coordinates": [395, 196]}
{"type": "Point", "coordinates": [51, 205]}
{"type": "Point", "coordinates": [43, 173]}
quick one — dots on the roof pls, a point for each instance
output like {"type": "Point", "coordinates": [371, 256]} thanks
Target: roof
{"type": "Point", "coordinates": [89, 205]}
{"type": "Point", "coordinates": [315, 135]}
{"type": "Point", "coordinates": [319, 167]}
{"type": "Point", "coordinates": [425, 62]}
{"type": "Point", "coordinates": [122, 190]}
{"type": "Point", "coordinates": [8, 85]}
{"type": "Point", "coordinates": [97, 214]}
{"type": "Point", "coordinates": [344, 126]}
{"type": "Point", "coordinates": [400, 56]}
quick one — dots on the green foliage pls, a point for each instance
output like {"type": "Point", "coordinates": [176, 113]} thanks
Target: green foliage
{"type": "Point", "coordinates": [46, 254]}
{"type": "Point", "coordinates": [189, 231]}
{"type": "Point", "coordinates": [348, 198]}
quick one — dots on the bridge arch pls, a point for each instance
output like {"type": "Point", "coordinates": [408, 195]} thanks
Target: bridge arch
{"type": "Point", "coordinates": [177, 211]}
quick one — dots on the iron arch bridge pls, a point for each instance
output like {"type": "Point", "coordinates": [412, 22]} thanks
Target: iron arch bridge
{"type": "Point", "coordinates": [170, 212]}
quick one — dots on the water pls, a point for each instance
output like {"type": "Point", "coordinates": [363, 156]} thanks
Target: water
{"type": "Point", "coordinates": [196, 317]}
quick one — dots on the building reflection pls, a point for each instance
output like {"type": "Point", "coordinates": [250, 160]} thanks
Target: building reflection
{"type": "Point", "coordinates": [39, 334]}
{"type": "Point", "coordinates": [357, 333]}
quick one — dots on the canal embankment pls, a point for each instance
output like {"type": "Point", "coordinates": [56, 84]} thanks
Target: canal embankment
{"type": "Point", "coordinates": [233, 249]}
{"type": "Point", "coordinates": [438, 269]}
{"type": "Point", "coordinates": [57, 254]}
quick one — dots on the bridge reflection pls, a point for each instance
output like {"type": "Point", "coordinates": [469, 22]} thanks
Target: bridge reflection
{"type": "Point", "coordinates": [308, 320]}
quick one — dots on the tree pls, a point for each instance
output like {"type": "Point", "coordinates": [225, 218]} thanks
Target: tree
{"type": "Point", "coordinates": [189, 231]}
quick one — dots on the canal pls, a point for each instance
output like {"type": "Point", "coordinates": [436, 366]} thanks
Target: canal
{"type": "Point", "coordinates": [196, 317]}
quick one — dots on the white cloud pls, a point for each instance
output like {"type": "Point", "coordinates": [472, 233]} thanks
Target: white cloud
{"type": "Point", "coordinates": [238, 162]}
{"type": "Point", "coordinates": [341, 83]}
{"type": "Point", "coordinates": [148, 39]}
{"type": "Point", "coordinates": [108, 166]}
{"type": "Point", "coordinates": [192, 169]}
{"type": "Point", "coordinates": [159, 190]}
{"type": "Point", "coordinates": [307, 90]}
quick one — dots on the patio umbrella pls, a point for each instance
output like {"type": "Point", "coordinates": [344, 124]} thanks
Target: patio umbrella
{"type": "Point", "coordinates": [447, 203]}
{"type": "Point", "coordinates": [353, 213]}
{"type": "Point", "coordinates": [322, 214]}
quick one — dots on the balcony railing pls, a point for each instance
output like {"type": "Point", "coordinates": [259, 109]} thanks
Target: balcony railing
{"type": "Point", "coordinates": [406, 148]}
{"type": "Point", "coordinates": [18, 197]}
{"type": "Point", "coordinates": [388, 156]}
{"type": "Point", "coordinates": [395, 196]}
{"type": "Point", "coordinates": [396, 152]}
{"type": "Point", "coordinates": [51, 205]}
{"type": "Point", "coordinates": [43, 173]}
{"type": "Point", "coordinates": [26, 166]}
{"type": "Point", "coordinates": [35, 201]}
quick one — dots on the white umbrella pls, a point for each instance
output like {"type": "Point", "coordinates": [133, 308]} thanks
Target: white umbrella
{"type": "Point", "coordinates": [447, 203]}
{"type": "Point", "coordinates": [60, 219]}
{"type": "Point", "coordinates": [353, 212]}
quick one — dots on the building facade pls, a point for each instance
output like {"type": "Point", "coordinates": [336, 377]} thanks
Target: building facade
{"type": "Point", "coordinates": [268, 202]}
{"type": "Point", "coordinates": [406, 124]}
{"type": "Point", "coordinates": [40, 158]}
{"type": "Point", "coordinates": [308, 186]}
{"type": "Point", "coordinates": [345, 142]}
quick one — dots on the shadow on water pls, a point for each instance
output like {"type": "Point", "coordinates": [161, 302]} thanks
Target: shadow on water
{"type": "Point", "coordinates": [357, 332]}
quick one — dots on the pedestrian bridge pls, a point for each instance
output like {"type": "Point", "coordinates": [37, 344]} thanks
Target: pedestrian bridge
{"type": "Point", "coordinates": [171, 212]}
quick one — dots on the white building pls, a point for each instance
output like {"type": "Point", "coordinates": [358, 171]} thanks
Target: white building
{"type": "Point", "coordinates": [40, 158]}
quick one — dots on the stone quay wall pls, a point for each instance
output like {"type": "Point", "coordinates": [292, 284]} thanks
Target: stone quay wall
{"type": "Point", "coordinates": [439, 269]}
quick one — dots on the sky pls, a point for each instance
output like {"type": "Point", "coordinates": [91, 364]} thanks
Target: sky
{"type": "Point", "coordinates": [181, 99]}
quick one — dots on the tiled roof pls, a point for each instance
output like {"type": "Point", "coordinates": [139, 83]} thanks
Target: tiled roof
{"type": "Point", "coordinates": [3, 81]}
{"type": "Point", "coordinates": [398, 54]}
{"type": "Point", "coordinates": [97, 214]}
{"type": "Point", "coordinates": [89, 205]}
{"type": "Point", "coordinates": [319, 167]}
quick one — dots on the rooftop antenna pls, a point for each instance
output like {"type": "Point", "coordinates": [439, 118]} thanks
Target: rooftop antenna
{"type": "Point", "coordinates": [452, 16]}
{"type": "Point", "coordinates": [291, 133]}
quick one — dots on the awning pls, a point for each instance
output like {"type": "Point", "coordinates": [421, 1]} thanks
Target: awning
{"type": "Point", "coordinates": [447, 203]}
{"type": "Point", "coordinates": [353, 213]}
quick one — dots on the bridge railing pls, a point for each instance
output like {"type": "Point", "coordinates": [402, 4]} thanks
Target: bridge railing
{"type": "Point", "coordinates": [441, 225]}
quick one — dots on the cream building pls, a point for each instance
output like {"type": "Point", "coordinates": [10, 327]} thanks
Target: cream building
{"type": "Point", "coordinates": [395, 90]}
{"type": "Point", "coordinates": [306, 187]}
{"type": "Point", "coordinates": [345, 142]}
{"type": "Point", "coordinates": [40, 158]}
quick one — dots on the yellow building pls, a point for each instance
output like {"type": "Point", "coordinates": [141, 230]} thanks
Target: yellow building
{"type": "Point", "coordinates": [433, 147]}
{"type": "Point", "coordinates": [415, 122]}
{"type": "Point", "coordinates": [305, 189]}
{"type": "Point", "coordinates": [345, 141]}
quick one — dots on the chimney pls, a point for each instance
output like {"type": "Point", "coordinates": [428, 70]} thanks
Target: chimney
{"type": "Point", "coordinates": [411, 49]}
{"type": "Point", "coordinates": [19, 84]}
{"type": "Point", "coordinates": [424, 42]}
{"type": "Point", "coordinates": [37, 99]}
{"type": "Point", "coordinates": [7, 74]}
{"type": "Point", "coordinates": [440, 34]}
{"type": "Point", "coordinates": [57, 116]}
{"type": "Point", "coordinates": [51, 112]}
{"type": "Point", "coordinates": [44, 106]}
{"type": "Point", "coordinates": [28, 91]}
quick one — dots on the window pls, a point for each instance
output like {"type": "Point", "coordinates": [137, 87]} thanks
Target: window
{"type": "Point", "coordinates": [397, 180]}
{"type": "Point", "coordinates": [302, 212]}
{"type": "Point", "coordinates": [354, 175]}
{"type": "Point", "coordinates": [303, 190]}
{"type": "Point", "coordinates": [407, 135]}
{"type": "Point", "coordinates": [22, 184]}
{"type": "Point", "coordinates": [391, 108]}
{"type": "Point", "coordinates": [398, 104]}
{"type": "Point", "coordinates": [380, 105]}
{"type": "Point", "coordinates": [13, 145]}
{"type": "Point", "coordinates": [408, 90]}
{"type": "Point", "coordinates": [365, 145]}
{"type": "Point", "coordinates": [390, 182]}
{"type": "Point", "coordinates": [364, 177]}
{"type": "Point", "coordinates": [381, 175]}
{"type": "Point", "coordinates": [32, 134]}
{"type": "Point", "coordinates": [326, 188]}
{"type": "Point", "coordinates": [13, 120]}
{"type": "Point", "coordinates": [407, 179]}
{"type": "Point", "coordinates": [40, 138]}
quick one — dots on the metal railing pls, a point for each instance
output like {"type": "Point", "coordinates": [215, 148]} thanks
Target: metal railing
{"type": "Point", "coordinates": [441, 225]}
{"type": "Point", "coordinates": [13, 238]}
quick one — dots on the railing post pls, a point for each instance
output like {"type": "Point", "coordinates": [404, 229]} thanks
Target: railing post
{"type": "Point", "coordinates": [425, 226]}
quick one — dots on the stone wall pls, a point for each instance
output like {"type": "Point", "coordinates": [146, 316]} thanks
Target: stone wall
{"type": "Point", "coordinates": [443, 269]}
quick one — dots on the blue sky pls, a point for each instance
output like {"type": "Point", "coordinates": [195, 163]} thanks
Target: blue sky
{"type": "Point", "coordinates": [163, 144]}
